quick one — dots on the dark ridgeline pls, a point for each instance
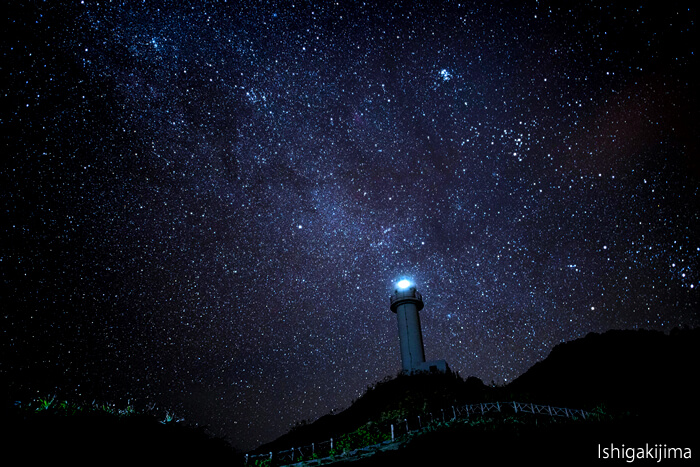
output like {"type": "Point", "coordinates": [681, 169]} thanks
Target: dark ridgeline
{"type": "Point", "coordinates": [643, 381]}
{"type": "Point", "coordinates": [97, 439]}
{"type": "Point", "coordinates": [395, 398]}
{"type": "Point", "coordinates": [641, 371]}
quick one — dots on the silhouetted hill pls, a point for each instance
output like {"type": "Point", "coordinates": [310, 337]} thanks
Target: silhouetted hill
{"type": "Point", "coordinates": [624, 370]}
{"type": "Point", "coordinates": [644, 381]}
{"type": "Point", "coordinates": [103, 439]}
{"type": "Point", "coordinates": [546, 442]}
{"type": "Point", "coordinates": [391, 399]}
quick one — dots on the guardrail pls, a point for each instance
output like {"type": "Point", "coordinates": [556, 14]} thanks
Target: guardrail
{"type": "Point", "coordinates": [373, 436]}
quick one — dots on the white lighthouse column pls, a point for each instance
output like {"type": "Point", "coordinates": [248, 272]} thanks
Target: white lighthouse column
{"type": "Point", "coordinates": [406, 302]}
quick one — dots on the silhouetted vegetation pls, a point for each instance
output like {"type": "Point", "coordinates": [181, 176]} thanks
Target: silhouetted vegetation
{"type": "Point", "coordinates": [536, 440]}
{"type": "Point", "coordinates": [642, 382]}
{"type": "Point", "coordinates": [626, 371]}
{"type": "Point", "coordinates": [49, 430]}
{"type": "Point", "coordinates": [390, 399]}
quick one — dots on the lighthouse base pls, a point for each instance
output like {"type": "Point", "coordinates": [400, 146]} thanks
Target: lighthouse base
{"type": "Point", "coordinates": [432, 366]}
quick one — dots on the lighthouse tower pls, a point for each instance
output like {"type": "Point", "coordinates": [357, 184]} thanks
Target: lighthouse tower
{"type": "Point", "coordinates": [406, 302]}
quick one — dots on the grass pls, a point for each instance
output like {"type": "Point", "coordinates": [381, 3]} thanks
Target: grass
{"type": "Point", "coordinates": [50, 405]}
{"type": "Point", "coordinates": [506, 423]}
{"type": "Point", "coordinates": [49, 429]}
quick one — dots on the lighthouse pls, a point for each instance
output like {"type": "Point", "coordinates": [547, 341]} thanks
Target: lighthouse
{"type": "Point", "coordinates": [406, 302]}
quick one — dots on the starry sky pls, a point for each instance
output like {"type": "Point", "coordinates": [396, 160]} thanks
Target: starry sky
{"type": "Point", "coordinates": [206, 204]}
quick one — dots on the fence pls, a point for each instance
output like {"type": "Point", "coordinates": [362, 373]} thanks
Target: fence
{"type": "Point", "coordinates": [373, 436]}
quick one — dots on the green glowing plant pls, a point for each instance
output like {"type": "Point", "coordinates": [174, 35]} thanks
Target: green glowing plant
{"type": "Point", "coordinates": [45, 404]}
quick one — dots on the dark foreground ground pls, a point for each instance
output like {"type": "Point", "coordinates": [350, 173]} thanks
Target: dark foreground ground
{"type": "Point", "coordinates": [643, 383]}
{"type": "Point", "coordinates": [94, 439]}
{"type": "Point", "coordinates": [579, 443]}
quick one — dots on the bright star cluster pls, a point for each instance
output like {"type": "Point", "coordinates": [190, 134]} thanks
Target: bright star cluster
{"type": "Point", "coordinates": [207, 204]}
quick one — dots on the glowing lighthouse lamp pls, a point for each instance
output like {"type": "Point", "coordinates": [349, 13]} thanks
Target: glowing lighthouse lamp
{"type": "Point", "coordinates": [406, 302]}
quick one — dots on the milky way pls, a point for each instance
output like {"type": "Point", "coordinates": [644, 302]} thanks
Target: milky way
{"type": "Point", "coordinates": [206, 204]}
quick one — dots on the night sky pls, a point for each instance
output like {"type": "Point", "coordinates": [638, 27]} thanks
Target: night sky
{"type": "Point", "coordinates": [206, 204]}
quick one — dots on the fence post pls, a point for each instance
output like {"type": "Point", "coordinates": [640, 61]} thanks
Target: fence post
{"type": "Point", "coordinates": [443, 415]}
{"type": "Point", "coordinates": [392, 432]}
{"type": "Point", "coordinates": [407, 430]}
{"type": "Point", "coordinates": [515, 407]}
{"type": "Point", "coordinates": [498, 406]}
{"type": "Point", "coordinates": [313, 448]}
{"type": "Point", "coordinates": [420, 425]}
{"type": "Point", "coordinates": [331, 444]}
{"type": "Point", "coordinates": [454, 414]}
